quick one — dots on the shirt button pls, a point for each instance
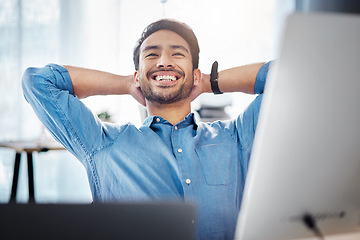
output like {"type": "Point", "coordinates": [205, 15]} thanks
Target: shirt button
{"type": "Point", "coordinates": [158, 119]}
{"type": "Point", "coordinates": [176, 128]}
{"type": "Point", "coordinates": [180, 150]}
{"type": "Point", "coordinates": [188, 181]}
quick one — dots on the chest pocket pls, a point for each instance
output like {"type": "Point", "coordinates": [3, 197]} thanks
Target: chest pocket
{"type": "Point", "coordinates": [219, 163]}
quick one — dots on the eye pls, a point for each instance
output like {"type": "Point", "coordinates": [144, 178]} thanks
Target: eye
{"type": "Point", "coordinates": [179, 54]}
{"type": "Point", "coordinates": [151, 55]}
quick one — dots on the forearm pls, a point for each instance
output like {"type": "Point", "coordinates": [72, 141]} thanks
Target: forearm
{"type": "Point", "coordinates": [88, 82]}
{"type": "Point", "coordinates": [238, 79]}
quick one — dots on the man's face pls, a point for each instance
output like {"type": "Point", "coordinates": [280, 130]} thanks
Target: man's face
{"type": "Point", "coordinates": [165, 72]}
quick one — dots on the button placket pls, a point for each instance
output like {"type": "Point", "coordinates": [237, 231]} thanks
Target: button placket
{"type": "Point", "coordinates": [179, 152]}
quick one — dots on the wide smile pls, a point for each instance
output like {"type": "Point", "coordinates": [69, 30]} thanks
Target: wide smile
{"type": "Point", "coordinates": [166, 77]}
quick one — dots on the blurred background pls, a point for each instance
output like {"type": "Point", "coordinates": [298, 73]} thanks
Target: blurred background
{"type": "Point", "coordinates": [101, 35]}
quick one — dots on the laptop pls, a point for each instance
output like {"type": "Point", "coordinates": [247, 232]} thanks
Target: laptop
{"type": "Point", "coordinates": [133, 221]}
{"type": "Point", "coordinates": [304, 174]}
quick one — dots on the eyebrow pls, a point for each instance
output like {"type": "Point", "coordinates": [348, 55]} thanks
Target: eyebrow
{"type": "Point", "coordinates": [151, 47]}
{"type": "Point", "coordinates": [179, 47]}
{"type": "Point", "coordinates": [147, 48]}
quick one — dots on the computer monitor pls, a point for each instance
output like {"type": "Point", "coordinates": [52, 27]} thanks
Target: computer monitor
{"type": "Point", "coordinates": [305, 163]}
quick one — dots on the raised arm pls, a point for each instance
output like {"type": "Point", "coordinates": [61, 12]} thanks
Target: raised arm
{"type": "Point", "coordinates": [88, 82]}
{"type": "Point", "coordinates": [238, 79]}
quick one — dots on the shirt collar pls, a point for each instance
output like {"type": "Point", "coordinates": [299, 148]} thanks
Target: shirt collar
{"type": "Point", "coordinates": [188, 120]}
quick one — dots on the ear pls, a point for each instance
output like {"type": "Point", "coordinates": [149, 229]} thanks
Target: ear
{"type": "Point", "coordinates": [197, 76]}
{"type": "Point", "coordinates": [136, 79]}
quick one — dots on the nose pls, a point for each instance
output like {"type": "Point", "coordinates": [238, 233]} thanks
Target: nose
{"type": "Point", "coordinates": [165, 61]}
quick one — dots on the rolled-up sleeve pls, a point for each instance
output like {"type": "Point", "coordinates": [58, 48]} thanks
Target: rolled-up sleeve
{"type": "Point", "coordinates": [261, 78]}
{"type": "Point", "coordinates": [49, 91]}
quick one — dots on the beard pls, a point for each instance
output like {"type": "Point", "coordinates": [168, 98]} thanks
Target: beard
{"type": "Point", "coordinates": [170, 96]}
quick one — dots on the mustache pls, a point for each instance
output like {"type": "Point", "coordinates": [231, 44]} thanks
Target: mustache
{"type": "Point", "coordinates": [148, 75]}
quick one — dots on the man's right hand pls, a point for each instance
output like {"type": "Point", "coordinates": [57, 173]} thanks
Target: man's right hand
{"type": "Point", "coordinates": [136, 92]}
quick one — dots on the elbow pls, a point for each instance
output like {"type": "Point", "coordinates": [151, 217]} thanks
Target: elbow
{"type": "Point", "coordinates": [30, 82]}
{"type": "Point", "coordinates": [27, 82]}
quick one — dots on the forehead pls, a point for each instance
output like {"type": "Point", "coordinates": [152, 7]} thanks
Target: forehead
{"type": "Point", "coordinates": [163, 39]}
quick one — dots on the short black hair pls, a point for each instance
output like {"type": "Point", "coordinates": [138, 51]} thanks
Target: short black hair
{"type": "Point", "coordinates": [175, 26]}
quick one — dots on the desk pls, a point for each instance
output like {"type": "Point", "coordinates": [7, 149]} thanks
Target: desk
{"type": "Point", "coordinates": [345, 236]}
{"type": "Point", "coordinates": [29, 147]}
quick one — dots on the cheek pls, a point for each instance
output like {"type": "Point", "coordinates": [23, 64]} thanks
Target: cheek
{"type": "Point", "coordinates": [189, 72]}
{"type": "Point", "coordinates": [142, 73]}
{"type": "Point", "coordinates": [144, 68]}
{"type": "Point", "coordinates": [188, 67]}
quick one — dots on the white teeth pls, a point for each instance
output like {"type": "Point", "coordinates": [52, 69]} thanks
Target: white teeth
{"type": "Point", "coordinates": [165, 78]}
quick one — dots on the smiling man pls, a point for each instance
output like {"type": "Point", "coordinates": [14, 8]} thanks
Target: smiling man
{"type": "Point", "coordinates": [171, 156]}
{"type": "Point", "coordinates": [165, 65]}
{"type": "Point", "coordinates": [166, 75]}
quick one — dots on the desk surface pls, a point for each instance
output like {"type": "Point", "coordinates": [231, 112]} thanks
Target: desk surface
{"type": "Point", "coordinates": [345, 236]}
{"type": "Point", "coordinates": [32, 145]}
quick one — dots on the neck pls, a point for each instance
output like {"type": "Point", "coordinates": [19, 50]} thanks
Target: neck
{"type": "Point", "coordinates": [174, 112]}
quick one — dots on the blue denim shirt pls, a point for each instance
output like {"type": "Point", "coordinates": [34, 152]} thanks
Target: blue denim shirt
{"type": "Point", "coordinates": [205, 163]}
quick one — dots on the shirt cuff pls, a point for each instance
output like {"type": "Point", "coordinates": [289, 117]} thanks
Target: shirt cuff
{"type": "Point", "coordinates": [62, 78]}
{"type": "Point", "coordinates": [261, 78]}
